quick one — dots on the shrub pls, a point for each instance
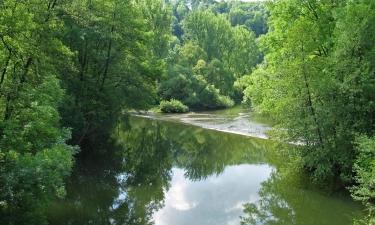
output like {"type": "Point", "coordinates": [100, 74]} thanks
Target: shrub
{"type": "Point", "coordinates": [225, 102]}
{"type": "Point", "coordinates": [209, 98]}
{"type": "Point", "coordinates": [364, 168]}
{"type": "Point", "coordinates": [173, 106]}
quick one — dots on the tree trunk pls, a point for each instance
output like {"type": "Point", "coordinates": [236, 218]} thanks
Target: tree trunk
{"type": "Point", "coordinates": [107, 61]}
{"type": "Point", "coordinates": [5, 68]}
{"type": "Point", "coordinates": [26, 69]}
{"type": "Point", "coordinates": [309, 100]}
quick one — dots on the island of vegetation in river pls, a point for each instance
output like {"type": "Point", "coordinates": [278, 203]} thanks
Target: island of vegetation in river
{"type": "Point", "coordinates": [71, 70]}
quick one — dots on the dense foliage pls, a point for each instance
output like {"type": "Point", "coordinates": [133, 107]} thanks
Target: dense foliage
{"type": "Point", "coordinates": [210, 50]}
{"type": "Point", "coordinates": [365, 176]}
{"type": "Point", "coordinates": [173, 106]}
{"type": "Point", "coordinates": [75, 64]}
{"type": "Point", "coordinates": [34, 156]}
{"type": "Point", "coordinates": [116, 63]}
{"type": "Point", "coordinates": [318, 82]}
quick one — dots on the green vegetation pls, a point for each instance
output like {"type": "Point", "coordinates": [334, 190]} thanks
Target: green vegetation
{"type": "Point", "coordinates": [116, 63]}
{"type": "Point", "coordinates": [68, 68]}
{"type": "Point", "coordinates": [318, 82]}
{"type": "Point", "coordinates": [364, 168]}
{"type": "Point", "coordinates": [173, 106]}
{"type": "Point", "coordinates": [209, 53]}
{"type": "Point", "coordinates": [34, 156]}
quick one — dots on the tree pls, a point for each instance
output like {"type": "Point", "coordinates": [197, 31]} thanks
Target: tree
{"type": "Point", "coordinates": [117, 63]}
{"type": "Point", "coordinates": [34, 156]}
{"type": "Point", "coordinates": [317, 81]}
{"type": "Point", "coordinates": [253, 15]}
{"type": "Point", "coordinates": [365, 176]}
{"type": "Point", "coordinates": [211, 57]}
{"type": "Point", "coordinates": [83, 61]}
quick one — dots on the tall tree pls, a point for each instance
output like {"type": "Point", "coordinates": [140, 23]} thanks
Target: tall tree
{"type": "Point", "coordinates": [318, 83]}
{"type": "Point", "coordinates": [34, 158]}
{"type": "Point", "coordinates": [115, 60]}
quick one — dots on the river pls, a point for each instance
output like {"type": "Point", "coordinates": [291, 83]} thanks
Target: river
{"type": "Point", "coordinates": [196, 169]}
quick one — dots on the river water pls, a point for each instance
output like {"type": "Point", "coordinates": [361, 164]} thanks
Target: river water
{"type": "Point", "coordinates": [184, 170]}
{"type": "Point", "coordinates": [235, 120]}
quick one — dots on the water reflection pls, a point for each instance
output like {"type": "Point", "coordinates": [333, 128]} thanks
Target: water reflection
{"type": "Point", "coordinates": [123, 185]}
{"type": "Point", "coordinates": [287, 200]}
{"type": "Point", "coordinates": [216, 200]}
{"type": "Point", "coordinates": [166, 173]}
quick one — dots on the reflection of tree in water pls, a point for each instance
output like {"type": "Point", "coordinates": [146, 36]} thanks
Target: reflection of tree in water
{"type": "Point", "coordinates": [126, 183]}
{"type": "Point", "coordinates": [287, 199]}
{"type": "Point", "coordinates": [271, 209]}
{"type": "Point", "coordinates": [201, 153]}
{"type": "Point", "coordinates": [148, 164]}
{"type": "Point", "coordinates": [105, 189]}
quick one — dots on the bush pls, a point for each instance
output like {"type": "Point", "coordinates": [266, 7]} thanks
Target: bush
{"type": "Point", "coordinates": [173, 106]}
{"type": "Point", "coordinates": [225, 102]}
{"type": "Point", "coordinates": [209, 98]}
{"type": "Point", "coordinates": [364, 168]}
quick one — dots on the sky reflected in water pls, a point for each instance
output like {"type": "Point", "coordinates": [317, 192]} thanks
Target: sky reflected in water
{"type": "Point", "coordinates": [215, 200]}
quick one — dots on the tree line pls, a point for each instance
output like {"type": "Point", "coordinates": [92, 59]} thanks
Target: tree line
{"type": "Point", "coordinates": [317, 81]}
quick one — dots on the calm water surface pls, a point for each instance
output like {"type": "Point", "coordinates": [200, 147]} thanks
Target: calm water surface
{"type": "Point", "coordinates": [169, 173]}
